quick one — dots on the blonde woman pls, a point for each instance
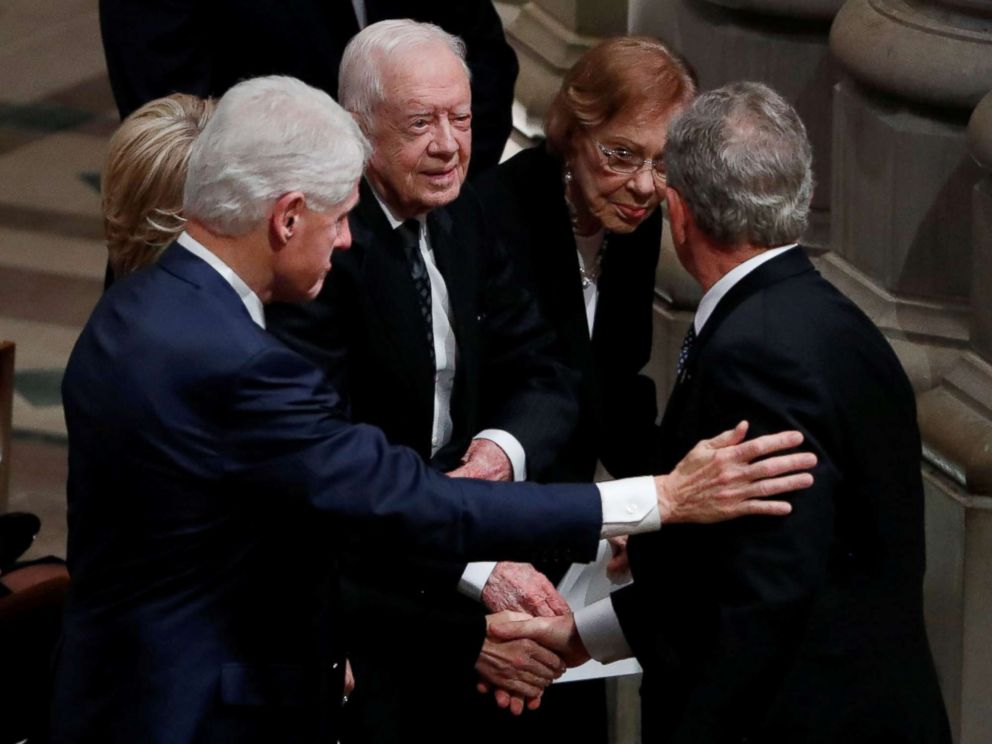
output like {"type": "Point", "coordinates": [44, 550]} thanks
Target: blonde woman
{"type": "Point", "coordinates": [142, 185]}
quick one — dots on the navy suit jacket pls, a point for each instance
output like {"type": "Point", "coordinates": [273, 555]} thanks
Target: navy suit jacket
{"type": "Point", "coordinates": [211, 479]}
{"type": "Point", "coordinates": [807, 628]}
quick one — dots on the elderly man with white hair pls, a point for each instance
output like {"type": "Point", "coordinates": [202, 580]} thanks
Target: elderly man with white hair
{"type": "Point", "coordinates": [212, 472]}
{"type": "Point", "coordinates": [429, 335]}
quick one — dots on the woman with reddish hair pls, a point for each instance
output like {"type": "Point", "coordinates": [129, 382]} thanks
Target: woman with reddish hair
{"type": "Point", "coordinates": [579, 213]}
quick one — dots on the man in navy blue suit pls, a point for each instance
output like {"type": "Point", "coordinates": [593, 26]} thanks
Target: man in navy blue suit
{"type": "Point", "coordinates": [212, 472]}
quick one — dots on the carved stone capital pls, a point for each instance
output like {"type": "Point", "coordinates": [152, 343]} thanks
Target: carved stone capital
{"type": "Point", "coordinates": [956, 424]}
{"type": "Point", "coordinates": [930, 53]}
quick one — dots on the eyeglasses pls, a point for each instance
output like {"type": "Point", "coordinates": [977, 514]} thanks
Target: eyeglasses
{"type": "Point", "coordinates": [623, 161]}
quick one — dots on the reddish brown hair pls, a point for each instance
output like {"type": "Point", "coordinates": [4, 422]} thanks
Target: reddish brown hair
{"type": "Point", "coordinates": [616, 74]}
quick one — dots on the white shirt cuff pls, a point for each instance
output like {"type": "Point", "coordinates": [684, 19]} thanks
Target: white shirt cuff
{"type": "Point", "coordinates": [474, 579]}
{"type": "Point", "coordinates": [600, 631]}
{"type": "Point", "coordinates": [630, 506]}
{"type": "Point", "coordinates": [511, 448]}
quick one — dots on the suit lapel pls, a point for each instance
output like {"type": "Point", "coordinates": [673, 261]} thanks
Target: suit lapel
{"type": "Point", "coordinates": [789, 264]}
{"type": "Point", "coordinates": [392, 296]}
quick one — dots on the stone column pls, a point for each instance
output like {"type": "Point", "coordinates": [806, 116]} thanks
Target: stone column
{"type": "Point", "coordinates": [956, 420]}
{"type": "Point", "coordinates": [912, 223]}
{"type": "Point", "coordinates": [549, 36]}
{"type": "Point", "coordinates": [783, 43]}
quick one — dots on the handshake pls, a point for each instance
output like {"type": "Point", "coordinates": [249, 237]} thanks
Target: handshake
{"type": "Point", "coordinates": [529, 645]}
{"type": "Point", "coordinates": [532, 638]}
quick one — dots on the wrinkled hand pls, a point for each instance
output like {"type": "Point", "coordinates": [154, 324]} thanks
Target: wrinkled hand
{"type": "Point", "coordinates": [518, 668]}
{"type": "Point", "coordinates": [521, 587]}
{"type": "Point", "coordinates": [618, 567]}
{"type": "Point", "coordinates": [485, 460]}
{"type": "Point", "coordinates": [349, 679]}
{"type": "Point", "coordinates": [558, 634]}
{"type": "Point", "coordinates": [718, 479]}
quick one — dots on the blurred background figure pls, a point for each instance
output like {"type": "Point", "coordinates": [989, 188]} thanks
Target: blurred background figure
{"type": "Point", "coordinates": [142, 183]}
{"type": "Point", "coordinates": [158, 47]}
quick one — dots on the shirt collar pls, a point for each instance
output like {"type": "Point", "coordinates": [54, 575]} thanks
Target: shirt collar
{"type": "Point", "coordinates": [395, 221]}
{"type": "Point", "coordinates": [716, 293]}
{"type": "Point", "coordinates": [250, 300]}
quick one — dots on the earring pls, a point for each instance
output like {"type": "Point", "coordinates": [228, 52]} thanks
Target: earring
{"type": "Point", "coordinates": [568, 174]}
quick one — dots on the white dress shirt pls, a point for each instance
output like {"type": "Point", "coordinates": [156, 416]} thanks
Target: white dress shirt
{"type": "Point", "coordinates": [251, 302]}
{"type": "Point", "coordinates": [598, 625]}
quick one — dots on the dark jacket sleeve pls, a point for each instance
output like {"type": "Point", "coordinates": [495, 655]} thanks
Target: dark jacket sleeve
{"type": "Point", "coordinates": [526, 388]}
{"type": "Point", "coordinates": [287, 438]}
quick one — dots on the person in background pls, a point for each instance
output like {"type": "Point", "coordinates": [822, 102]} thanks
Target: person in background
{"type": "Point", "coordinates": [579, 214]}
{"type": "Point", "coordinates": [141, 186]}
{"type": "Point", "coordinates": [158, 47]}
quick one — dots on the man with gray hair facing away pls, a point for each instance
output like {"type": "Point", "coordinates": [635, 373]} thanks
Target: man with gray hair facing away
{"type": "Point", "coordinates": [213, 474]}
{"type": "Point", "coordinates": [803, 630]}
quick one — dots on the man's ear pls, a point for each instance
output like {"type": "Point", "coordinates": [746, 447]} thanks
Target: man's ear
{"type": "Point", "coordinates": [286, 214]}
{"type": "Point", "coordinates": [678, 215]}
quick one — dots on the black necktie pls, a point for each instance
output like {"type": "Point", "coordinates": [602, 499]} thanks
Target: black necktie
{"type": "Point", "coordinates": [410, 232]}
{"type": "Point", "coordinates": [690, 336]}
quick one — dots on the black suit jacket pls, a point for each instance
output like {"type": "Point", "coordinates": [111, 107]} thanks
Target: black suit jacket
{"type": "Point", "coordinates": [158, 47]}
{"type": "Point", "coordinates": [212, 481]}
{"type": "Point", "coordinates": [617, 409]}
{"type": "Point", "coordinates": [366, 331]}
{"type": "Point", "coordinates": [808, 628]}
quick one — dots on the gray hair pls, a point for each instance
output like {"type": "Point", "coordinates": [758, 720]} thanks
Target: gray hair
{"type": "Point", "coordinates": [267, 137]}
{"type": "Point", "coordinates": [740, 158]}
{"type": "Point", "coordinates": [360, 75]}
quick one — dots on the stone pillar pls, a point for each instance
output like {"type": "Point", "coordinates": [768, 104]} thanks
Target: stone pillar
{"type": "Point", "coordinates": [956, 420]}
{"type": "Point", "coordinates": [549, 36]}
{"type": "Point", "coordinates": [783, 43]}
{"type": "Point", "coordinates": [912, 221]}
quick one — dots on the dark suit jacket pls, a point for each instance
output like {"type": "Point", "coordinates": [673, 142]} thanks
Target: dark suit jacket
{"type": "Point", "coordinates": [365, 330]}
{"type": "Point", "coordinates": [808, 628]}
{"type": "Point", "coordinates": [617, 409]}
{"type": "Point", "coordinates": [158, 47]}
{"type": "Point", "coordinates": [212, 479]}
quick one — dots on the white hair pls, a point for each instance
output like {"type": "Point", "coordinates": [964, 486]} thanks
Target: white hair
{"type": "Point", "coordinates": [267, 137]}
{"type": "Point", "coordinates": [360, 75]}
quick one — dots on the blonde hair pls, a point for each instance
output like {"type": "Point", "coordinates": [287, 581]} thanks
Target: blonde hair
{"type": "Point", "coordinates": [618, 73]}
{"type": "Point", "coordinates": [142, 182]}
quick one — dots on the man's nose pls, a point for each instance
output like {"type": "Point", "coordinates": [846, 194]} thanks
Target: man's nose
{"type": "Point", "coordinates": [444, 142]}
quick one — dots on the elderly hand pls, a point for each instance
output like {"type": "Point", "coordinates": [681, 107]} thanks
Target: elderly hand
{"type": "Point", "coordinates": [518, 668]}
{"type": "Point", "coordinates": [349, 679]}
{"type": "Point", "coordinates": [719, 480]}
{"type": "Point", "coordinates": [521, 587]}
{"type": "Point", "coordinates": [484, 460]}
